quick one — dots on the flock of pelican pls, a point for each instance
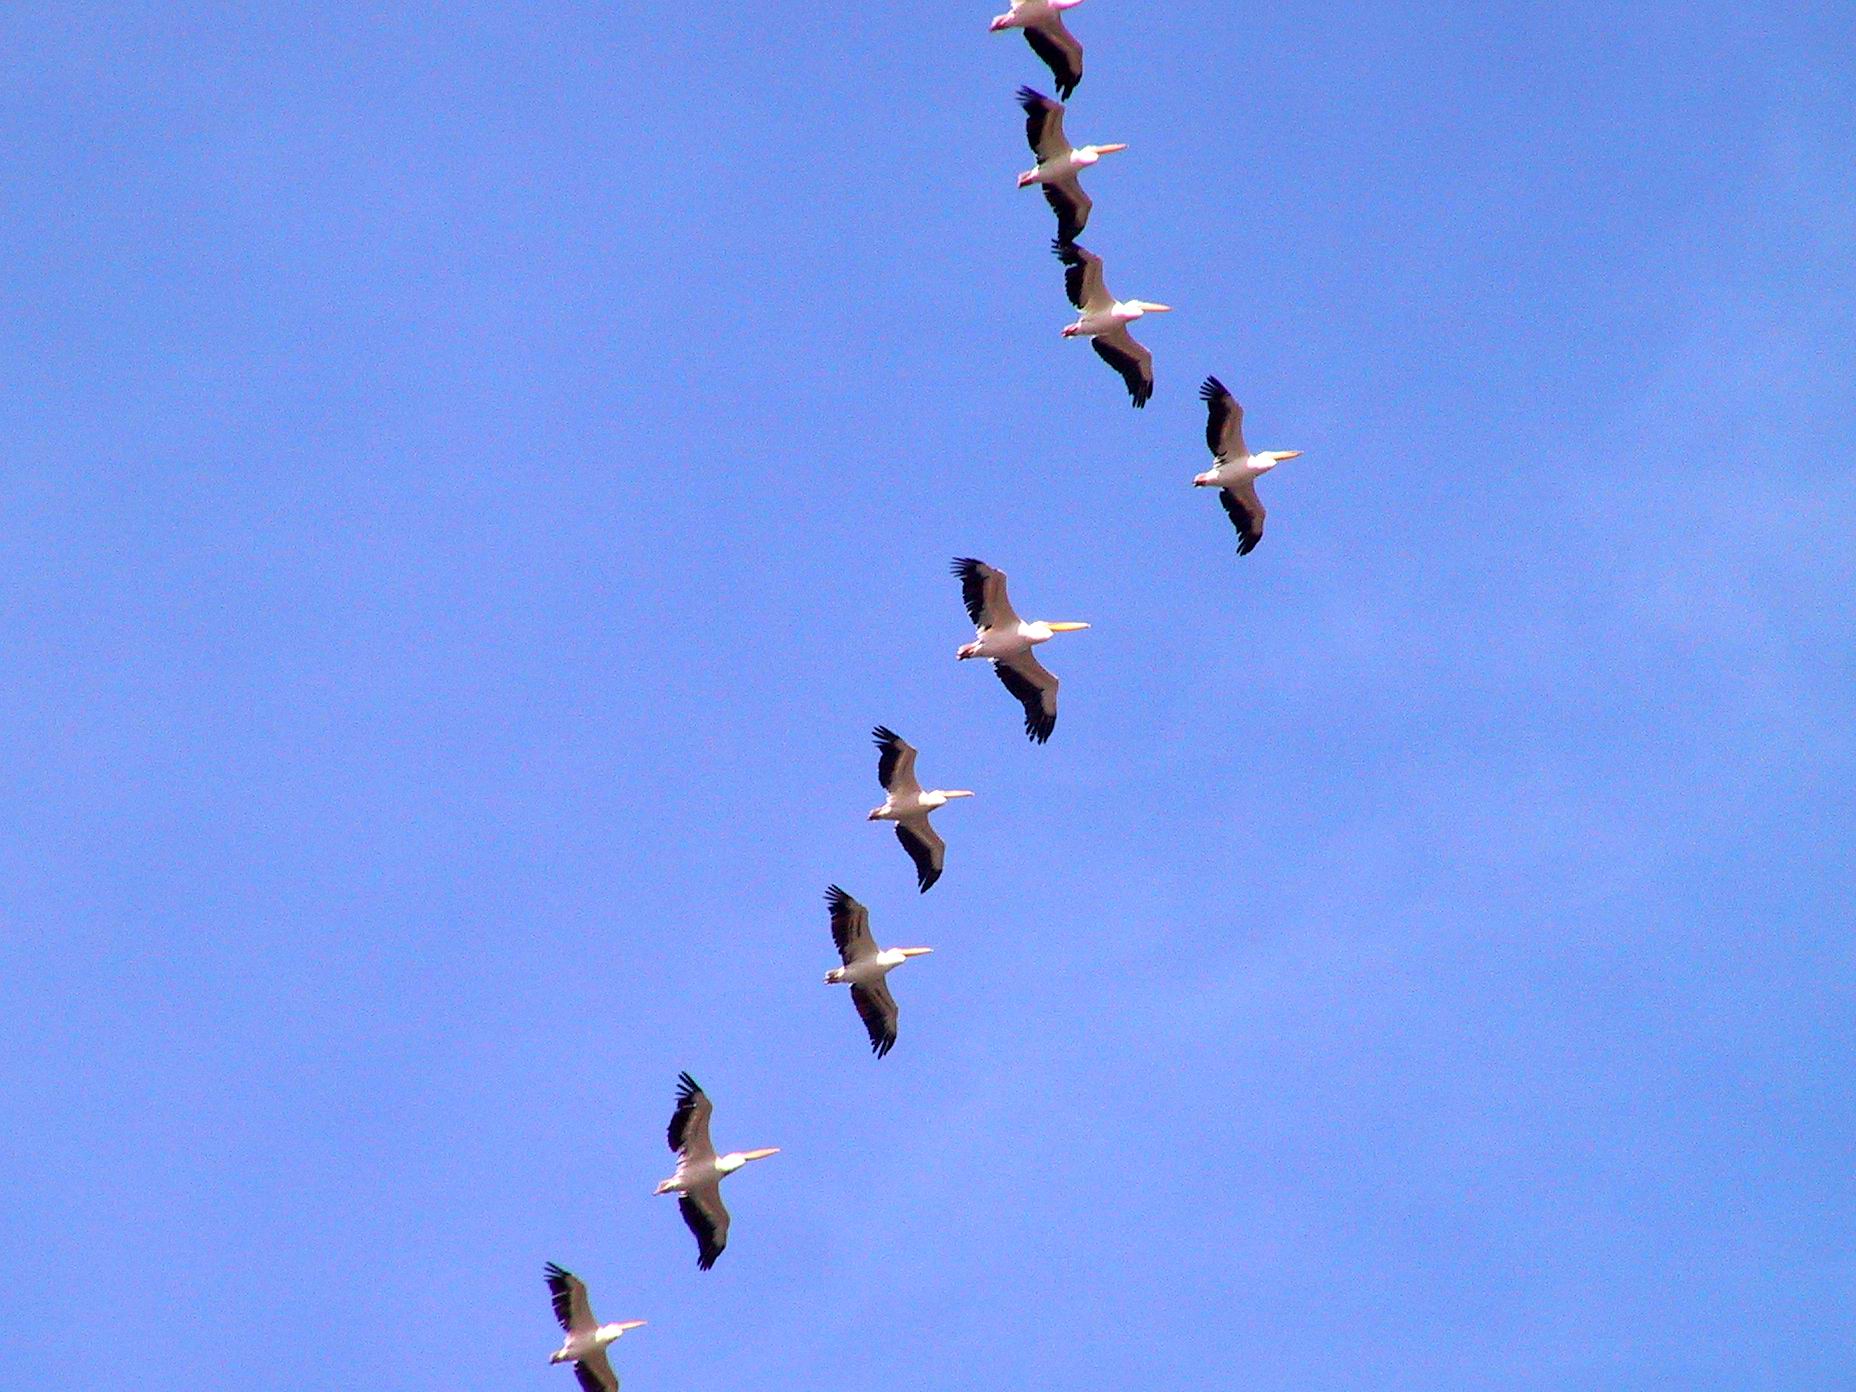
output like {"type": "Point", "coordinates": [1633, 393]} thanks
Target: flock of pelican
{"type": "Point", "coordinates": [1000, 636]}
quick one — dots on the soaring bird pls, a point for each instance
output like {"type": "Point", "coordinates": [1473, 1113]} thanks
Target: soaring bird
{"type": "Point", "coordinates": [700, 1171]}
{"type": "Point", "coordinates": [587, 1339]}
{"type": "Point", "coordinates": [1058, 163]}
{"type": "Point", "coordinates": [1042, 21]}
{"type": "Point", "coordinates": [1008, 640]}
{"type": "Point", "coordinates": [905, 804]}
{"type": "Point", "coordinates": [1104, 320]}
{"type": "Point", "coordinates": [865, 967]}
{"type": "Point", "coordinates": [1236, 470]}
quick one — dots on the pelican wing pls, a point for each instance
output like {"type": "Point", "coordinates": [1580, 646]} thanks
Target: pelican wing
{"type": "Point", "coordinates": [877, 1009]}
{"type": "Point", "coordinates": [1245, 510]}
{"type": "Point", "coordinates": [1082, 278]}
{"type": "Point", "coordinates": [705, 1216]}
{"type": "Point", "coordinates": [925, 848]}
{"type": "Point", "coordinates": [1118, 349]}
{"type": "Point", "coordinates": [895, 763]}
{"type": "Point", "coordinates": [850, 927]}
{"type": "Point", "coordinates": [570, 1304]}
{"type": "Point", "coordinates": [983, 589]}
{"type": "Point", "coordinates": [595, 1373]}
{"type": "Point", "coordinates": [1043, 125]}
{"type": "Point", "coordinates": [1071, 205]}
{"type": "Point", "coordinates": [1057, 47]}
{"type": "Point", "coordinates": [689, 1124]}
{"type": "Point", "coordinates": [1036, 689]}
{"type": "Point", "coordinates": [1224, 421]}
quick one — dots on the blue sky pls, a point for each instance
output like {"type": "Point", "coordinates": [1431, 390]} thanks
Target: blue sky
{"type": "Point", "coordinates": [475, 473]}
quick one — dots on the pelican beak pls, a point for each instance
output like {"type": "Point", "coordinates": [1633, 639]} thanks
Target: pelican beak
{"type": "Point", "coordinates": [958, 792]}
{"type": "Point", "coordinates": [915, 951]}
{"type": "Point", "coordinates": [1288, 454]}
{"type": "Point", "coordinates": [760, 1154]}
{"type": "Point", "coordinates": [1157, 308]}
{"type": "Point", "coordinates": [631, 1324]}
{"type": "Point", "coordinates": [1109, 149]}
{"type": "Point", "coordinates": [1067, 627]}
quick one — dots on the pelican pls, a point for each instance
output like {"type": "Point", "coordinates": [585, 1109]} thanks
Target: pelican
{"type": "Point", "coordinates": [1008, 640]}
{"type": "Point", "coordinates": [905, 804]}
{"type": "Point", "coordinates": [700, 1171]}
{"type": "Point", "coordinates": [1042, 21]}
{"type": "Point", "coordinates": [1104, 320]}
{"type": "Point", "coordinates": [865, 967]}
{"type": "Point", "coordinates": [1236, 470]}
{"type": "Point", "coordinates": [1058, 163]}
{"type": "Point", "coordinates": [587, 1339]}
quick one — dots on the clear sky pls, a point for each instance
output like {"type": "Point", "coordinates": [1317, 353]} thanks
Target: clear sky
{"type": "Point", "coordinates": [474, 473]}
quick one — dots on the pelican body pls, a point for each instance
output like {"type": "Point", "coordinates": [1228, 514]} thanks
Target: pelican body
{"type": "Point", "coordinates": [587, 1339]}
{"type": "Point", "coordinates": [865, 969]}
{"type": "Point", "coordinates": [907, 804]}
{"type": "Point", "coordinates": [1007, 640]}
{"type": "Point", "coordinates": [1235, 470]}
{"type": "Point", "coordinates": [1058, 163]}
{"type": "Point", "coordinates": [1104, 319]}
{"type": "Point", "coordinates": [1042, 24]}
{"type": "Point", "coordinates": [700, 1171]}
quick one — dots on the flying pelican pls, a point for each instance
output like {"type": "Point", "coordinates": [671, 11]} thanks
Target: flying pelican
{"type": "Point", "coordinates": [865, 967]}
{"type": "Point", "coordinates": [1236, 470]}
{"type": "Point", "coordinates": [1058, 163]}
{"type": "Point", "coordinates": [1042, 21]}
{"type": "Point", "coordinates": [700, 1171]}
{"type": "Point", "coordinates": [905, 804]}
{"type": "Point", "coordinates": [1104, 320]}
{"type": "Point", "coordinates": [587, 1339]}
{"type": "Point", "coordinates": [1008, 640]}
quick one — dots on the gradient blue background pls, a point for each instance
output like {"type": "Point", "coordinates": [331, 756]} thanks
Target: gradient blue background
{"type": "Point", "coordinates": [475, 472]}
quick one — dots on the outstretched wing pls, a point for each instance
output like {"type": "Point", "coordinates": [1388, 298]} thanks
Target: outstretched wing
{"type": "Point", "coordinates": [595, 1373]}
{"type": "Point", "coordinates": [1245, 510]}
{"type": "Point", "coordinates": [705, 1216]}
{"type": "Point", "coordinates": [1060, 52]}
{"type": "Point", "coordinates": [983, 589]}
{"type": "Point", "coordinates": [1118, 349]}
{"type": "Point", "coordinates": [1071, 205]}
{"type": "Point", "coordinates": [877, 1009]}
{"type": "Point", "coordinates": [895, 763]}
{"type": "Point", "coordinates": [925, 848]}
{"type": "Point", "coordinates": [1036, 690]}
{"type": "Point", "coordinates": [570, 1303]}
{"type": "Point", "coordinates": [1043, 125]}
{"type": "Point", "coordinates": [850, 927]}
{"type": "Point", "coordinates": [689, 1124]}
{"type": "Point", "coordinates": [1224, 421]}
{"type": "Point", "coordinates": [1082, 277]}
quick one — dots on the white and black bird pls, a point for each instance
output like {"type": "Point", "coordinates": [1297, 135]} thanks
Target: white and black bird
{"type": "Point", "coordinates": [1059, 163]}
{"type": "Point", "coordinates": [587, 1339]}
{"type": "Point", "coordinates": [1008, 640]}
{"type": "Point", "coordinates": [1042, 21]}
{"type": "Point", "coordinates": [866, 967]}
{"type": "Point", "coordinates": [907, 805]}
{"type": "Point", "coordinates": [1235, 469]}
{"type": "Point", "coordinates": [1104, 320]}
{"type": "Point", "coordinates": [700, 1171]}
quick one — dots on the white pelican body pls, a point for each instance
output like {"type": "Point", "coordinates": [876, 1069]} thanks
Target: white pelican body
{"type": "Point", "coordinates": [1104, 319]}
{"type": "Point", "coordinates": [865, 968]}
{"type": "Point", "coordinates": [700, 1171]}
{"type": "Point", "coordinates": [1235, 470]}
{"type": "Point", "coordinates": [1042, 22]}
{"type": "Point", "coordinates": [1058, 163]}
{"type": "Point", "coordinates": [1008, 640]}
{"type": "Point", "coordinates": [587, 1339]}
{"type": "Point", "coordinates": [907, 805]}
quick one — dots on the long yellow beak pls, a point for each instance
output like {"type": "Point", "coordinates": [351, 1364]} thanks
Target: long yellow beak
{"type": "Point", "coordinates": [760, 1154]}
{"type": "Point", "coordinates": [1288, 454]}
{"type": "Point", "coordinates": [915, 951]}
{"type": "Point", "coordinates": [632, 1324]}
{"type": "Point", "coordinates": [1109, 149]}
{"type": "Point", "coordinates": [1065, 627]}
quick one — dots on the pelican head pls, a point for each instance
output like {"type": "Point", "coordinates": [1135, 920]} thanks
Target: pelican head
{"type": "Point", "coordinates": [1269, 459]}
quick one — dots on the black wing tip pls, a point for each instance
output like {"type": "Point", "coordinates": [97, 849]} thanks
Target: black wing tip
{"type": "Point", "coordinates": [554, 1271]}
{"type": "Point", "coordinates": [836, 897]}
{"type": "Point", "coordinates": [883, 737]}
{"type": "Point", "coordinates": [1066, 90]}
{"type": "Point", "coordinates": [926, 879]}
{"type": "Point", "coordinates": [1032, 100]}
{"type": "Point", "coordinates": [687, 1087]}
{"type": "Point", "coordinates": [881, 1047]}
{"type": "Point", "coordinates": [966, 566]}
{"type": "Point", "coordinates": [1211, 389]}
{"type": "Point", "coordinates": [1067, 251]}
{"type": "Point", "coordinates": [703, 1263]}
